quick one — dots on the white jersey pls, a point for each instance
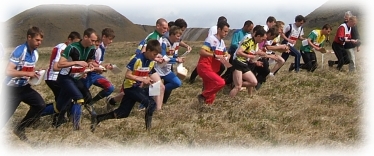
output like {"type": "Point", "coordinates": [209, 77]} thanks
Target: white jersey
{"type": "Point", "coordinates": [347, 31]}
{"type": "Point", "coordinates": [295, 32]}
{"type": "Point", "coordinates": [212, 30]}
{"type": "Point", "coordinates": [100, 52]}
{"type": "Point", "coordinates": [55, 57]}
{"type": "Point", "coordinates": [169, 50]}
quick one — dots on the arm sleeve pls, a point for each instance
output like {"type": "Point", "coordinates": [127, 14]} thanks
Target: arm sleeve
{"type": "Point", "coordinates": [131, 64]}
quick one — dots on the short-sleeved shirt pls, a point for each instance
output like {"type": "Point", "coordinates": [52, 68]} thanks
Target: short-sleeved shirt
{"type": "Point", "coordinates": [213, 45]}
{"type": "Point", "coordinates": [55, 57]}
{"type": "Point", "coordinates": [317, 39]}
{"type": "Point", "coordinates": [152, 36]}
{"type": "Point", "coordinates": [140, 66]}
{"type": "Point", "coordinates": [25, 60]}
{"type": "Point", "coordinates": [170, 50]}
{"type": "Point", "coordinates": [76, 52]}
{"type": "Point", "coordinates": [250, 48]}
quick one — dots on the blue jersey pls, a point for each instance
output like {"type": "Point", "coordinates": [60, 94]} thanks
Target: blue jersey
{"type": "Point", "coordinates": [25, 60]}
{"type": "Point", "coordinates": [140, 66]}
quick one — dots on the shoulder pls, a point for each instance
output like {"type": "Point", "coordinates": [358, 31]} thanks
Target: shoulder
{"type": "Point", "coordinates": [93, 49]}
{"type": "Point", "coordinates": [17, 52]}
{"type": "Point", "coordinates": [61, 46]}
{"type": "Point", "coordinates": [208, 38]}
{"type": "Point", "coordinates": [139, 56]}
{"type": "Point", "coordinates": [36, 53]}
{"type": "Point", "coordinates": [73, 45]}
{"type": "Point", "coordinates": [237, 31]}
{"type": "Point", "coordinates": [164, 39]}
{"type": "Point", "coordinates": [152, 35]}
{"type": "Point", "coordinates": [247, 41]}
{"type": "Point", "coordinates": [134, 58]}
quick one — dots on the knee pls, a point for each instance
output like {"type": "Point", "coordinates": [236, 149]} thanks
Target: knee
{"type": "Point", "coordinates": [88, 97]}
{"type": "Point", "coordinates": [220, 83]}
{"type": "Point", "coordinates": [178, 83]}
{"type": "Point", "coordinates": [120, 115]}
{"type": "Point", "coordinates": [316, 65]}
{"type": "Point", "coordinates": [297, 54]}
{"type": "Point", "coordinates": [162, 86]}
{"type": "Point", "coordinates": [110, 89]}
{"type": "Point", "coordinates": [173, 85]}
{"type": "Point", "coordinates": [253, 82]}
{"type": "Point", "coordinates": [151, 105]}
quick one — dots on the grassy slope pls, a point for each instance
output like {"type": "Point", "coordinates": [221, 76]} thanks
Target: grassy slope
{"type": "Point", "coordinates": [305, 109]}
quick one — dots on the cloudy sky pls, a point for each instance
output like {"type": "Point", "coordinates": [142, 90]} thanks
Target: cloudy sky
{"type": "Point", "coordinates": [196, 13]}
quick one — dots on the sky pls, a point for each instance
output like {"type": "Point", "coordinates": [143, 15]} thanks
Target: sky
{"type": "Point", "coordinates": [196, 13]}
{"type": "Point", "coordinates": [204, 14]}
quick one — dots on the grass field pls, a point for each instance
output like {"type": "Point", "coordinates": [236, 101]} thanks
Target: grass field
{"type": "Point", "coordinates": [320, 109]}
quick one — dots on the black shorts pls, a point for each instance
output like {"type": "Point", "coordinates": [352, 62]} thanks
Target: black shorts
{"type": "Point", "coordinates": [243, 67]}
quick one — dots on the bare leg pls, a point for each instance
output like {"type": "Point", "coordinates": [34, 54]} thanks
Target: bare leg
{"type": "Point", "coordinates": [280, 62]}
{"type": "Point", "coordinates": [158, 99]}
{"type": "Point", "coordinates": [237, 79]}
{"type": "Point", "coordinates": [250, 81]}
{"type": "Point", "coordinates": [118, 97]}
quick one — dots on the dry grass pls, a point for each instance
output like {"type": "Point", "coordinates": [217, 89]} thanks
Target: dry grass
{"type": "Point", "coordinates": [295, 110]}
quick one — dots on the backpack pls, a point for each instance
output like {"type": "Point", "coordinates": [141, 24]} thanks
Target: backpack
{"type": "Point", "coordinates": [288, 33]}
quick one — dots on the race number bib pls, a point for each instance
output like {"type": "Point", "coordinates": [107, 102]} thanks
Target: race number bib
{"type": "Point", "coordinates": [219, 51]}
{"type": "Point", "coordinates": [77, 69]}
{"type": "Point", "coordinates": [28, 67]}
{"type": "Point", "coordinates": [142, 71]}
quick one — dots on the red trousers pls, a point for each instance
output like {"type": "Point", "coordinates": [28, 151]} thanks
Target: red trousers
{"type": "Point", "coordinates": [207, 69]}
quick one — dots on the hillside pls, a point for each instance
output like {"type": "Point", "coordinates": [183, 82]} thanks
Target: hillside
{"type": "Point", "coordinates": [332, 12]}
{"type": "Point", "coordinates": [57, 21]}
